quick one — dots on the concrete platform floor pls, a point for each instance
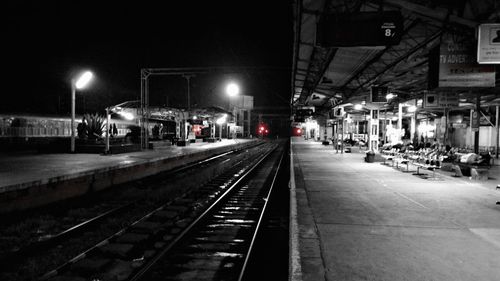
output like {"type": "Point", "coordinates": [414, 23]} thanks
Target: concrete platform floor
{"type": "Point", "coordinates": [19, 168]}
{"type": "Point", "coordinates": [366, 221]}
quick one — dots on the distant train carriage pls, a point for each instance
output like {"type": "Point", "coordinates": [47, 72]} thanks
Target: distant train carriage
{"type": "Point", "coordinates": [33, 126]}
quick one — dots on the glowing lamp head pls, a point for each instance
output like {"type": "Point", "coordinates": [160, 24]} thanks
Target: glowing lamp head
{"type": "Point", "coordinates": [358, 106]}
{"type": "Point", "coordinates": [126, 115]}
{"type": "Point", "coordinates": [232, 89]}
{"type": "Point", "coordinates": [412, 108]}
{"type": "Point", "coordinates": [390, 96]}
{"type": "Point", "coordinates": [83, 80]}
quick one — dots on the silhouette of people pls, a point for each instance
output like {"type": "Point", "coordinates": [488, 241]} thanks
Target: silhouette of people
{"type": "Point", "coordinates": [115, 130]}
{"type": "Point", "coordinates": [81, 128]}
{"type": "Point", "coordinates": [496, 39]}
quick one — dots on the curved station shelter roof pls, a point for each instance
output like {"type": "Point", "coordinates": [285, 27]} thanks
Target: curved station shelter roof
{"type": "Point", "coordinates": [346, 50]}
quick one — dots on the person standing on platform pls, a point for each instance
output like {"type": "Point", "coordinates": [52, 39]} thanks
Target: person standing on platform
{"type": "Point", "coordinates": [115, 130]}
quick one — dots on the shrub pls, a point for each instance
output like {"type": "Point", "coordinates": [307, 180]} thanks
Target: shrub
{"type": "Point", "coordinates": [95, 125]}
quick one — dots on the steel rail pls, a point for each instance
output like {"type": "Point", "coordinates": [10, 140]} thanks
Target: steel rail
{"type": "Point", "coordinates": [157, 257]}
{"type": "Point", "coordinates": [31, 248]}
{"type": "Point", "coordinates": [101, 216]}
{"type": "Point", "coordinates": [261, 217]}
{"type": "Point", "coordinates": [51, 241]}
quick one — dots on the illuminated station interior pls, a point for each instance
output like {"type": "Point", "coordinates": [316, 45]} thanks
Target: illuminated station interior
{"type": "Point", "coordinates": [422, 74]}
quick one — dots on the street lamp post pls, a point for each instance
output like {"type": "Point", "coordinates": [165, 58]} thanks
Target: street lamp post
{"type": "Point", "coordinates": [73, 95]}
{"type": "Point", "coordinates": [79, 83]}
{"type": "Point", "coordinates": [232, 90]}
{"type": "Point", "coordinates": [108, 118]}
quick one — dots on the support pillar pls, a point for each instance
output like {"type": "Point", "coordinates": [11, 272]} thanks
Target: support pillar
{"type": "Point", "coordinates": [446, 131]}
{"type": "Point", "coordinates": [498, 131]}
{"type": "Point", "coordinates": [476, 134]}
{"type": "Point", "coordinates": [400, 120]}
{"type": "Point", "coordinates": [144, 112]}
{"type": "Point", "coordinates": [384, 139]}
{"type": "Point", "coordinates": [342, 137]}
{"type": "Point", "coordinates": [374, 130]}
{"type": "Point", "coordinates": [413, 126]}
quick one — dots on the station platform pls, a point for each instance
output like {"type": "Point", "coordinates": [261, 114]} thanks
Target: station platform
{"type": "Point", "coordinates": [29, 180]}
{"type": "Point", "coordinates": [352, 220]}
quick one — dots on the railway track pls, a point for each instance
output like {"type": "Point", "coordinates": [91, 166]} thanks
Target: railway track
{"type": "Point", "coordinates": [71, 228]}
{"type": "Point", "coordinates": [228, 206]}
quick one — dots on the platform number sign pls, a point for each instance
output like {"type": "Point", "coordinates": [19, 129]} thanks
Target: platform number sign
{"type": "Point", "coordinates": [360, 29]}
{"type": "Point", "coordinates": [389, 29]}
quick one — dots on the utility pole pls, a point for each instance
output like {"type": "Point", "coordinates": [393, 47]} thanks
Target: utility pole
{"type": "Point", "coordinates": [188, 78]}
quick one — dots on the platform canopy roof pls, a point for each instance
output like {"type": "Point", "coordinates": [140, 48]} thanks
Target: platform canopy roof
{"type": "Point", "coordinates": [170, 113]}
{"type": "Point", "coordinates": [326, 77]}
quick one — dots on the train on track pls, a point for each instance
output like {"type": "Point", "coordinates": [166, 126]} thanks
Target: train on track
{"type": "Point", "coordinates": [33, 126]}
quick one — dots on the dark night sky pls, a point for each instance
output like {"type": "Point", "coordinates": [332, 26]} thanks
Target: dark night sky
{"type": "Point", "coordinates": [48, 40]}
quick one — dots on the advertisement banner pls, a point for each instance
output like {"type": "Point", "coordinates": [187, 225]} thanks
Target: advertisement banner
{"type": "Point", "coordinates": [488, 43]}
{"type": "Point", "coordinates": [458, 66]}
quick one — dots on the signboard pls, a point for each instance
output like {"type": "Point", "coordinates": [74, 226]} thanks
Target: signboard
{"type": "Point", "coordinates": [448, 100]}
{"type": "Point", "coordinates": [431, 100]}
{"type": "Point", "coordinates": [378, 94]}
{"type": "Point", "coordinates": [242, 102]}
{"type": "Point", "coordinates": [488, 44]}
{"type": "Point", "coordinates": [359, 136]}
{"type": "Point", "coordinates": [474, 122]}
{"type": "Point", "coordinates": [304, 112]}
{"type": "Point", "coordinates": [356, 117]}
{"type": "Point", "coordinates": [236, 129]}
{"type": "Point", "coordinates": [338, 112]}
{"type": "Point", "coordinates": [458, 66]}
{"type": "Point", "coordinates": [360, 29]}
{"type": "Point", "coordinates": [440, 100]}
{"type": "Point", "coordinates": [459, 125]}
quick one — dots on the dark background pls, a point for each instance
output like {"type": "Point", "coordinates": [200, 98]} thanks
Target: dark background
{"type": "Point", "coordinates": [48, 42]}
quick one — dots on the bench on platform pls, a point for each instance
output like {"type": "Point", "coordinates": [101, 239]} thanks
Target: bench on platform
{"type": "Point", "coordinates": [387, 158]}
{"type": "Point", "coordinates": [465, 169]}
{"type": "Point", "coordinates": [498, 187]}
{"type": "Point", "coordinates": [479, 173]}
{"type": "Point", "coordinates": [427, 167]}
{"type": "Point", "coordinates": [402, 161]}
